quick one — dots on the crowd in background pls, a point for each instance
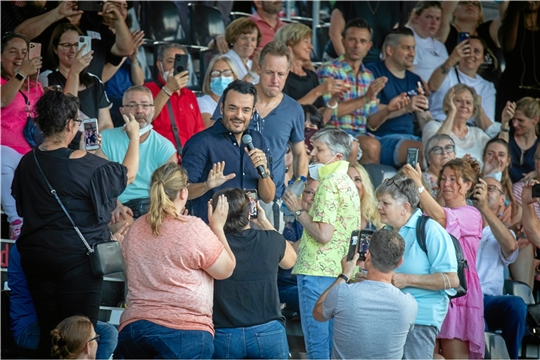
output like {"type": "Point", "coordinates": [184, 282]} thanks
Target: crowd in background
{"type": "Point", "coordinates": [177, 165]}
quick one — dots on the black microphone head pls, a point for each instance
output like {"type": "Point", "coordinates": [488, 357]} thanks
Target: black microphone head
{"type": "Point", "coordinates": [246, 139]}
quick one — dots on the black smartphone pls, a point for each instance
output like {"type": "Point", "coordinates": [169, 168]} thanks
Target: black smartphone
{"type": "Point", "coordinates": [180, 63]}
{"type": "Point", "coordinates": [535, 191]}
{"type": "Point", "coordinates": [253, 212]}
{"type": "Point", "coordinates": [353, 245]}
{"type": "Point", "coordinates": [363, 246]}
{"type": "Point", "coordinates": [412, 157]}
{"type": "Point", "coordinates": [93, 6]}
{"type": "Point", "coordinates": [463, 36]}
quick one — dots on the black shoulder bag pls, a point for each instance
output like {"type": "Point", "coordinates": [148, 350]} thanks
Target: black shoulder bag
{"type": "Point", "coordinates": [105, 257]}
{"type": "Point", "coordinates": [173, 125]}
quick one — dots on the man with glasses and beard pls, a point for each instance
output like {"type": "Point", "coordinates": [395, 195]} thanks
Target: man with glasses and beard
{"type": "Point", "coordinates": [217, 158]}
{"type": "Point", "coordinates": [155, 150]}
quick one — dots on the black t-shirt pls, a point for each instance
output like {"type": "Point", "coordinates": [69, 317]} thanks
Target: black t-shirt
{"type": "Point", "coordinates": [250, 296]}
{"type": "Point", "coordinates": [103, 40]}
{"type": "Point", "coordinates": [297, 86]}
{"type": "Point", "coordinates": [13, 15]}
{"type": "Point", "coordinates": [491, 68]}
{"type": "Point", "coordinates": [91, 99]}
{"type": "Point", "coordinates": [88, 188]}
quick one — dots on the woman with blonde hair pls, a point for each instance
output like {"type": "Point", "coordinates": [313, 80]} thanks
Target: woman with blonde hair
{"type": "Point", "coordinates": [519, 127]}
{"type": "Point", "coordinates": [371, 219]}
{"type": "Point", "coordinates": [220, 73]}
{"type": "Point", "coordinates": [74, 338]}
{"type": "Point", "coordinates": [172, 260]}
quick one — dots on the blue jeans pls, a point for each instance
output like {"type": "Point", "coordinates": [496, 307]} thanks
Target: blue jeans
{"type": "Point", "coordinates": [507, 313]}
{"type": "Point", "coordinates": [289, 296]}
{"type": "Point", "coordinates": [143, 339]}
{"type": "Point", "coordinates": [266, 341]}
{"type": "Point", "coordinates": [108, 338]}
{"type": "Point", "coordinates": [391, 143]}
{"type": "Point", "coordinates": [317, 335]}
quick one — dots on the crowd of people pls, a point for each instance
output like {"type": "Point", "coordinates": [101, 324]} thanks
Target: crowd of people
{"type": "Point", "coordinates": [208, 274]}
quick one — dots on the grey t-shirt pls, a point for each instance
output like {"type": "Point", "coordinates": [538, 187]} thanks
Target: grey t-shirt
{"type": "Point", "coordinates": [371, 320]}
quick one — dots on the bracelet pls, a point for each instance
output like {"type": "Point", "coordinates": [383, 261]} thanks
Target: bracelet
{"type": "Point", "coordinates": [330, 106]}
{"type": "Point", "coordinates": [166, 91]}
{"type": "Point", "coordinates": [341, 276]}
{"type": "Point", "coordinates": [505, 129]}
{"type": "Point", "coordinates": [135, 62]}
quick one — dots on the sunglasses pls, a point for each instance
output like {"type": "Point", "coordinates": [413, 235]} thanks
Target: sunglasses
{"type": "Point", "coordinates": [438, 150]}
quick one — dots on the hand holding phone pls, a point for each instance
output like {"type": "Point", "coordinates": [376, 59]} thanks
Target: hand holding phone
{"type": "Point", "coordinates": [91, 6]}
{"type": "Point", "coordinates": [363, 246]}
{"type": "Point", "coordinates": [253, 212]}
{"type": "Point", "coordinates": [412, 157]}
{"type": "Point", "coordinates": [35, 51]}
{"type": "Point", "coordinates": [180, 63]}
{"type": "Point", "coordinates": [85, 40]}
{"type": "Point", "coordinates": [91, 134]}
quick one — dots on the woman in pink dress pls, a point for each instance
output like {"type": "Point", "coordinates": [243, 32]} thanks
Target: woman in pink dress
{"type": "Point", "coordinates": [462, 332]}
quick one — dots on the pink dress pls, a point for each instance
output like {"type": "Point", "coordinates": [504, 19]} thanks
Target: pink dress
{"type": "Point", "coordinates": [465, 318]}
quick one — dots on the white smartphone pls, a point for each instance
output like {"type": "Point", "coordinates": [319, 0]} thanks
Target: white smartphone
{"type": "Point", "coordinates": [85, 40]}
{"type": "Point", "coordinates": [91, 134]}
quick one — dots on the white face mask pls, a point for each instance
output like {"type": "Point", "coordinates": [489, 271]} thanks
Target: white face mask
{"type": "Point", "coordinates": [145, 129]}
{"type": "Point", "coordinates": [165, 73]}
{"type": "Point", "coordinates": [328, 162]}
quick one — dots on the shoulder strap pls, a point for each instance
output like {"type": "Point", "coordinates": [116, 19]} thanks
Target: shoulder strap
{"type": "Point", "coordinates": [173, 124]}
{"type": "Point", "coordinates": [90, 250]}
{"type": "Point", "coordinates": [421, 232]}
{"type": "Point", "coordinates": [457, 75]}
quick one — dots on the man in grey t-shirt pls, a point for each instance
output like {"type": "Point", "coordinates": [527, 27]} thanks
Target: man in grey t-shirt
{"type": "Point", "coordinates": [371, 318]}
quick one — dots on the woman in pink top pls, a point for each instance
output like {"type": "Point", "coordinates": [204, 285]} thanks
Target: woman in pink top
{"type": "Point", "coordinates": [172, 260]}
{"type": "Point", "coordinates": [462, 332]}
{"type": "Point", "coordinates": [19, 94]}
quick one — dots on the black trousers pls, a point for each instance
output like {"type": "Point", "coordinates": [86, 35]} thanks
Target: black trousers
{"type": "Point", "coordinates": [62, 285]}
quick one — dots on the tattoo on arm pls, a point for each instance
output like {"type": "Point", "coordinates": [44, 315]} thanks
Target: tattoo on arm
{"type": "Point", "coordinates": [444, 70]}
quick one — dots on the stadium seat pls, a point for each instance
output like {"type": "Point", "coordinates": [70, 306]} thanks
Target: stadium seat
{"type": "Point", "coordinates": [205, 23]}
{"type": "Point", "coordinates": [495, 346]}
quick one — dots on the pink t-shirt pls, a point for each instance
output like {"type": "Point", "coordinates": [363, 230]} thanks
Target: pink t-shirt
{"type": "Point", "coordinates": [165, 274]}
{"type": "Point", "coordinates": [266, 29]}
{"type": "Point", "coordinates": [518, 189]}
{"type": "Point", "coordinates": [13, 118]}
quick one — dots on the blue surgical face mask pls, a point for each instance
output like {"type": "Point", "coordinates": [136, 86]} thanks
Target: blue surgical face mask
{"type": "Point", "coordinates": [219, 84]}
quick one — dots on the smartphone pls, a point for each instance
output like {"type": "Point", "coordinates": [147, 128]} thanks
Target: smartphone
{"type": "Point", "coordinates": [420, 85]}
{"type": "Point", "coordinates": [253, 212]}
{"type": "Point", "coordinates": [85, 40]}
{"type": "Point", "coordinates": [35, 50]}
{"type": "Point", "coordinates": [180, 63]}
{"type": "Point", "coordinates": [91, 134]}
{"type": "Point", "coordinates": [535, 191]}
{"type": "Point", "coordinates": [463, 36]}
{"type": "Point", "coordinates": [363, 246]}
{"type": "Point", "coordinates": [353, 245]}
{"type": "Point", "coordinates": [412, 157]}
{"type": "Point", "coordinates": [94, 6]}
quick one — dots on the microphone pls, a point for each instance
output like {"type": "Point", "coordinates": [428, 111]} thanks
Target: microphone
{"type": "Point", "coordinates": [248, 141]}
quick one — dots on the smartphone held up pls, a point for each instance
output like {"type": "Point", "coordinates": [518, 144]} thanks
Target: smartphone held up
{"type": "Point", "coordinates": [91, 134]}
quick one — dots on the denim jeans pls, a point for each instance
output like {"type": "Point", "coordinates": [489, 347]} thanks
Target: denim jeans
{"type": "Point", "coordinates": [266, 341]}
{"type": "Point", "coordinates": [108, 338]}
{"type": "Point", "coordinates": [144, 339]}
{"type": "Point", "coordinates": [507, 313]}
{"type": "Point", "coordinates": [317, 335]}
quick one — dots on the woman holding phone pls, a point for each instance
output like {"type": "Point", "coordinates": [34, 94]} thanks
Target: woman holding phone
{"type": "Point", "coordinates": [70, 73]}
{"type": "Point", "coordinates": [20, 92]}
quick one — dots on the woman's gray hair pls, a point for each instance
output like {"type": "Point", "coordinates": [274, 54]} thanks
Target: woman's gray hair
{"type": "Point", "coordinates": [402, 189]}
{"type": "Point", "coordinates": [337, 140]}
{"type": "Point", "coordinates": [435, 139]}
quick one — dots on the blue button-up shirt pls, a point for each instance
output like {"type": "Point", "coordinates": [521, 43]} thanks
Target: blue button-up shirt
{"type": "Point", "coordinates": [217, 144]}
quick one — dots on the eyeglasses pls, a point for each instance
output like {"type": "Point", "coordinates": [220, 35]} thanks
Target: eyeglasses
{"type": "Point", "coordinates": [77, 120]}
{"type": "Point", "coordinates": [438, 150]}
{"type": "Point", "coordinates": [217, 73]}
{"type": "Point", "coordinates": [493, 188]}
{"type": "Point", "coordinates": [68, 46]}
{"type": "Point", "coordinates": [135, 106]}
{"type": "Point", "coordinates": [95, 338]}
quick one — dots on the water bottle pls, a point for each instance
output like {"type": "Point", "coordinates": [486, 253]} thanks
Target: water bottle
{"type": "Point", "coordinates": [296, 187]}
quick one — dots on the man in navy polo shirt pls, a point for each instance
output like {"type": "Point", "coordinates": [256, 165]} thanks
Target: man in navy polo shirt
{"type": "Point", "coordinates": [393, 123]}
{"type": "Point", "coordinates": [216, 158]}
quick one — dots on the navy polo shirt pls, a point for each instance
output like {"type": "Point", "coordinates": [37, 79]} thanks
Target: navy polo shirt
{"type": "Point", "coordinates": [402, 124]}
{"type": "Point", "coordinates": [283, 125]}
{"type": "Point", "coordinates": [217, 144]}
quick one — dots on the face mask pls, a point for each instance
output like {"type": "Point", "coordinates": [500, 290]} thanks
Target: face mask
{"type": "Point", "coordinates": [328, 162]}
{"type": "Point", "coordinates": [313, 170]}
{"type": "Point", "coordinates": [145, 129]}
{"type": "Point", "coordinates": [165, 73]}
{"type": "Point", "coordinates": [219, 84]}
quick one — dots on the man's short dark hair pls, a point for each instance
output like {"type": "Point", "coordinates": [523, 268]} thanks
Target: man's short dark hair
{"type": "Point", "coordinates": [386, 249]}
{"type": "Point", "coordinates": [357, 23]}
{"type": "Point", "coordinates": [314, 116]}
{"type": "Point", "coordinates": [242, 87]}
{"type": "Point", "coordinates": [393, 38]}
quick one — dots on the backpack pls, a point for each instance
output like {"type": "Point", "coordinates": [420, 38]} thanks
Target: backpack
{"type": "Point", "coordinates": [461, 289]}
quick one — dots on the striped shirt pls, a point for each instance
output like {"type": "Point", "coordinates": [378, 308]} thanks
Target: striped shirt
{"type": "Point", "coordinates": [341, 70]}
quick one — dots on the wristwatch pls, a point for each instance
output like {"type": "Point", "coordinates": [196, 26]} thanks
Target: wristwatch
{"type": "Point", "coordinates": [341, 276]}
{"type": "Point", "coordinates": [19, 76]}
{"type": "Point", "coordinates": [298, 212]}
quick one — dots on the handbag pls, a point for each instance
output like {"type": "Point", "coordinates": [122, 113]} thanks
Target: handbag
{"type": "Point", "coordinates": [533, 315]}
{"type": "Point", "coordinates": [32, 133]}
{"type": "Point", "coordinates": [105, 257]}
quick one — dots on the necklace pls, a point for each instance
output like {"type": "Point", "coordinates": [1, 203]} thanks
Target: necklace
{"type": "Point", "coordinates": [373, 11]}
